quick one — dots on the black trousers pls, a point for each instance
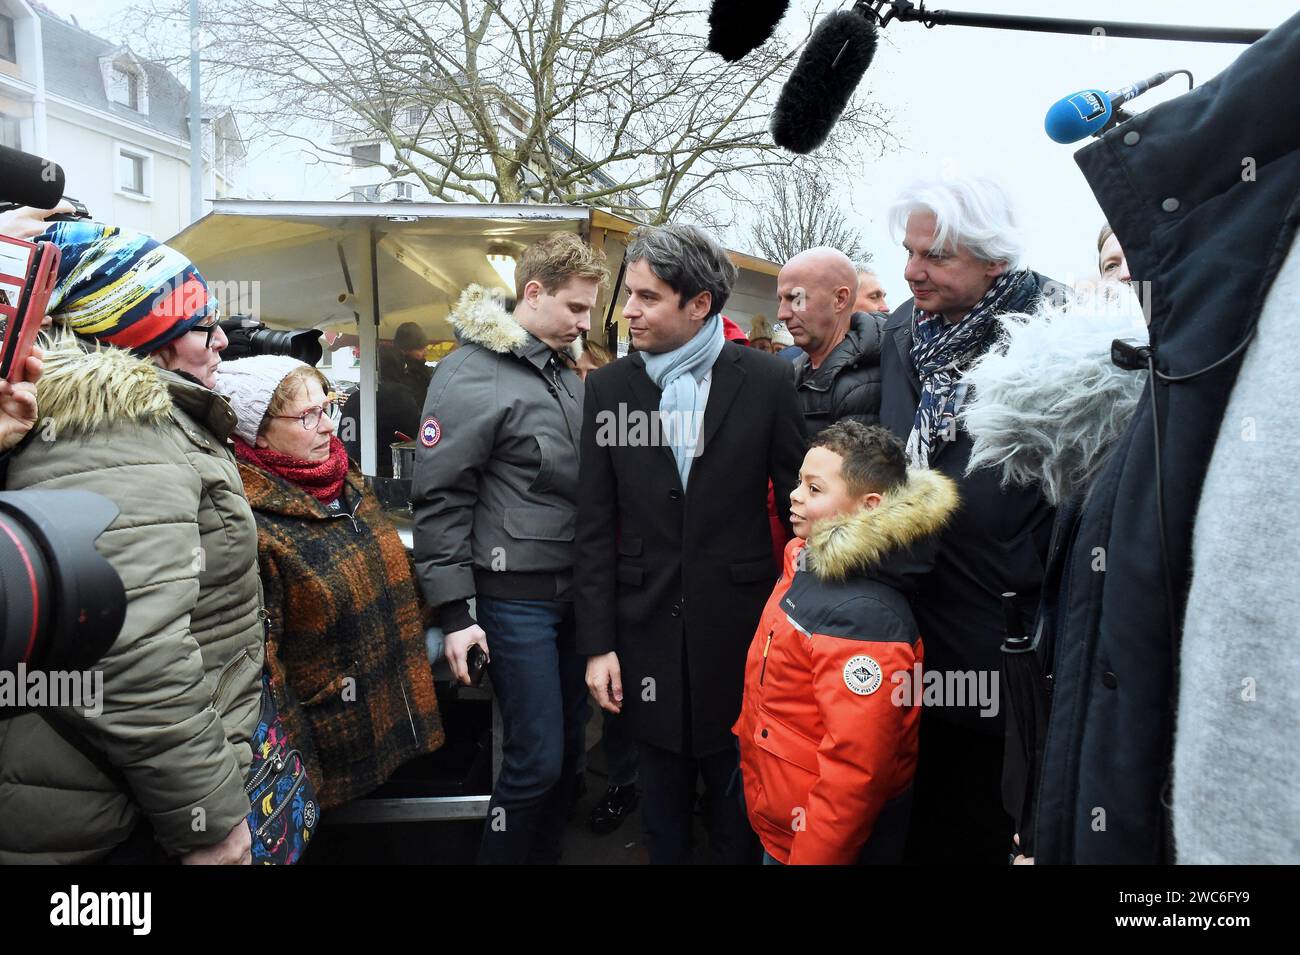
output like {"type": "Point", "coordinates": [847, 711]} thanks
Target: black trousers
{"type": "Point", "coordinates": [957, 814]}
{"type": "Point", "coordinates": [668, 782]}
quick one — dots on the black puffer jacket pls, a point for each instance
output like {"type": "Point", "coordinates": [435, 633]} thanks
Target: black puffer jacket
{"type": "Point", "coordinates": [847, 385]}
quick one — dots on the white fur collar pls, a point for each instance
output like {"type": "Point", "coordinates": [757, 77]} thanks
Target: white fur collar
{"type": "Point", "coordinates": [480, 318]}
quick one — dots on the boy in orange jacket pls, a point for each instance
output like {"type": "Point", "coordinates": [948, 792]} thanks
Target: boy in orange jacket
{"type": "Point", "coordinates": [828, 735]}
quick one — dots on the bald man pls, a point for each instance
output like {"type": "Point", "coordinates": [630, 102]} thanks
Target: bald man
{"type": "Point", "coordinates": [838, 374]}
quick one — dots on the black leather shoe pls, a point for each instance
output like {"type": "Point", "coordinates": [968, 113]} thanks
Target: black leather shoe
{"type": "Point", "coordinates": [614, 807]}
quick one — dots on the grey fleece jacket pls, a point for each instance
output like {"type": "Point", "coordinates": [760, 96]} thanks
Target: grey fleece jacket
{"type": "Point", "coordinates": [1237, 743]}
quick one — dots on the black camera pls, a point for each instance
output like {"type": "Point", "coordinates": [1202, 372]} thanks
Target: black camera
{"type": "Point", "coordinates": [61, 603]}
{"type": "Point", "coordinates": [248, 336]}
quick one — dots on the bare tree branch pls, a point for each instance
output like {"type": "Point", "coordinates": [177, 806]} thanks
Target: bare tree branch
{"type": "Point", "coordinates": [800, 212]}
{"type": "Point", "coordinates": [597, 102]}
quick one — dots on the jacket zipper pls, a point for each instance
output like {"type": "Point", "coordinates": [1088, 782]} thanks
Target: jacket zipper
{"type": "Point", "coordinates": [288, 797]}
{"type": "Point", "coordinates": [767, 646]}
{"type": "Point", "coordinates": [352, 516]}
{"type": "Point", "coordinates": [274, 761]}
{"type": "Point", "coordinates": [227, 673]}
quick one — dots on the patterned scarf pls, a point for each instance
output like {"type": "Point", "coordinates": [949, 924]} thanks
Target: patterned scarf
{"type": "Point", "coordinates": [323, 480]}
{"type": "Point", "coordinates": [941, 352]}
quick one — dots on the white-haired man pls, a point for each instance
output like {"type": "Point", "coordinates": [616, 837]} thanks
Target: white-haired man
{"type": "Point", "coordinates": [964, 267]}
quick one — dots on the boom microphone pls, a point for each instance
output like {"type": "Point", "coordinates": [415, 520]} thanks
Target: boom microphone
{"type": "Point", "coordinates": [28, 180]}
{"type": "Point", "coordinates": [826, 75]}
{"type": "Point", "coordinates": [1088, 111]}
{"type": "Point", "coordinates": [738, 27]}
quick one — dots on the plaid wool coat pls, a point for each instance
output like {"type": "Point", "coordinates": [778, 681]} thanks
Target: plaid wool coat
{"type": "Point", "coordinates": [345, 647]}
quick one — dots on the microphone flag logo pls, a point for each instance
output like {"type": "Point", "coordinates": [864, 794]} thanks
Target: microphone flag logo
{"type": "Point", "coordinates": [1090, 105]}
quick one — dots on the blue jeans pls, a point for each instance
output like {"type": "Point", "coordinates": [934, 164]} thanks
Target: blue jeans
{"type": "Point", "coordinates": [539, 682]}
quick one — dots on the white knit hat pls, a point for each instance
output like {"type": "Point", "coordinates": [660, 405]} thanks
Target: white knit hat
{"type": "Point", "coordinates": [249, 384]}
{"type": "Point", "coordinates": [781, 336]}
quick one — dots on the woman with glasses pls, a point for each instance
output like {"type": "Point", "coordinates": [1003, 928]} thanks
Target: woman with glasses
{"type": "Point", "coordinates": [345, 649]}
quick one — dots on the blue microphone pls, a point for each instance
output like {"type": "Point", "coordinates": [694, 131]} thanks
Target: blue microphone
{"type": "Point", "coordinates": [1087, 112]}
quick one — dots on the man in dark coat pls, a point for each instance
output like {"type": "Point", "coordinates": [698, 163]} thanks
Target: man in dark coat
{"type": "Point", "coordinates": [674, 548]}
{"type": "Point", "coordinates": [998, 538]}
{"type": "Point", "coordinates": [838, 374]}
{"type": "Point", "coordinates": [1209, 178]}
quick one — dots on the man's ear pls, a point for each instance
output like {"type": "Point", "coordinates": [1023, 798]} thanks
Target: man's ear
{"type": "Point", "coordinates": [844, 297]}
{"type": "Point", "coordinates": [533, 292]}
{"type": "Point", "coordinates": [870, 501]}
{"type": "Point", "coordinates": [260, 442]}
{"type": "Point", "coordinates": [996, 268]}
{"type": "Point", "coordinates": [700, 307]}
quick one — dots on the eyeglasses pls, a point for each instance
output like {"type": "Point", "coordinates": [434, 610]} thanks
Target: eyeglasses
{"type": "Point", "coordinates": [207, 329]}
{"type": "Point", "coordinates": [311, 417]}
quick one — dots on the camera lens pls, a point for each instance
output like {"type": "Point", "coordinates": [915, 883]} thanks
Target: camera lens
{"type": "Point", "coordinates": [249, 337]}
{"type": "Point", "coordinates": [24, 594]}
{"type": "Point", "coordinates": [61, 603]}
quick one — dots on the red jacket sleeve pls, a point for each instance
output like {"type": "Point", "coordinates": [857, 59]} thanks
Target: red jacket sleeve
{"type": "Point", "coordinates": [858, 760]}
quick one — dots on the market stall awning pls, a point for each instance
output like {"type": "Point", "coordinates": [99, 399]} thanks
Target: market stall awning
{"type": "Point", "coordinates": [294, 259]}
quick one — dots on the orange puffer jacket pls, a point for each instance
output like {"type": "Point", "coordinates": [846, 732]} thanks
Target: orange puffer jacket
{"type": "Point", "coordinates": [828, 735]}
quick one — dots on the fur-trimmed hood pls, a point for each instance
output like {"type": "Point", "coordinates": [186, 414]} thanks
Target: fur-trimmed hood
{"type": "Point", "coordinates": [862, 540]}
{"type": "Point", "coordinates": [1048, 404]}
{"type": "Point", "coordinates": [479, 318]}
{"type": "Point", "coordinates": [87, 385]}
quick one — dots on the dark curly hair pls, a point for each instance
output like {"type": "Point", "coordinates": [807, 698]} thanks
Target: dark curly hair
{"type": "Point", "coordinates": [873, 461]}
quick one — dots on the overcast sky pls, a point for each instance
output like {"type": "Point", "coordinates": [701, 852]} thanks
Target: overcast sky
{"type": "Point", "coordinates": [971, 102]}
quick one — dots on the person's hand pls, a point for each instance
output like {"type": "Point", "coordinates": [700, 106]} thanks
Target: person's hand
{"type": "Point", "coordinates": [18, 404]}
{"type": "Point", "coordinates": [1021, 858]}
{"type": "Point", "coordinates": [605, 680]}
{"type": "Point", "coordinates": [27, 223]}
{"type": "Point", "coordinates": [456, 649]}
{"type": "Point", "coordinates": [235, 849]}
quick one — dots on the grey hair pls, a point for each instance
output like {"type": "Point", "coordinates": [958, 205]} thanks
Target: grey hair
{"type": "Point", "coordinates": [1047, 404]}
{"type": "Point", "coordinates": [688, 259]}
{"type": "Point", "coordinates": [974, 213]}
{"type": "Point", "coordinates": [862, 268]}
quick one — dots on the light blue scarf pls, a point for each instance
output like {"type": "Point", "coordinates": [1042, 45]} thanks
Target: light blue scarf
{"type": "Point", "coordinates": [678, 373]}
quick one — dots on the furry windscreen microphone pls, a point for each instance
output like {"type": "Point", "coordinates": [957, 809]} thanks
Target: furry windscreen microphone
{"type": "Point", "coordinates": [825, 77]}
{"type": "Point", "coordinates": [29, 180]}
{"type": "Point", "coordinates": [738, 27]}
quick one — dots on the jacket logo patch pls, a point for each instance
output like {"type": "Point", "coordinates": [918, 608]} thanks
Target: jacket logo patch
{"type": "Point", "coordinates": [862, 675]}
{"type": "Point", "coordinates": [430, 432]}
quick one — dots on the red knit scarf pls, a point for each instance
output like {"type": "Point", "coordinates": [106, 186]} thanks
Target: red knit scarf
{"type": "Point", "coordinates": [323, 480]}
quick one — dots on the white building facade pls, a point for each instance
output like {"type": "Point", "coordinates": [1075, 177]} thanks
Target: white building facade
{"type": "Point", "coordinates": [118, 125]}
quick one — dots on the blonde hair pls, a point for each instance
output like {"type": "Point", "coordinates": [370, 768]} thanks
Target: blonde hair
{"type": "Point", "coordinates": [555, 260]}
{"type": "Point", "coordinates": [599, 354]}
{"type": "Point", "coordinates": [288, 390]}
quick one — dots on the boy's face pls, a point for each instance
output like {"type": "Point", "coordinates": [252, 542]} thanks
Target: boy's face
{"type": "Point", "coordinates": [821, 492]}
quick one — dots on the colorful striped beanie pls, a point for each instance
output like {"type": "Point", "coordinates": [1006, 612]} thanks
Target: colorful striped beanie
{"type": "Point", "coordinates": [124, 288]}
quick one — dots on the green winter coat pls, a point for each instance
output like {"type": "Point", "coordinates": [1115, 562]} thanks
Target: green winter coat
{"type": "Point", "coordinates": [182, 683]}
